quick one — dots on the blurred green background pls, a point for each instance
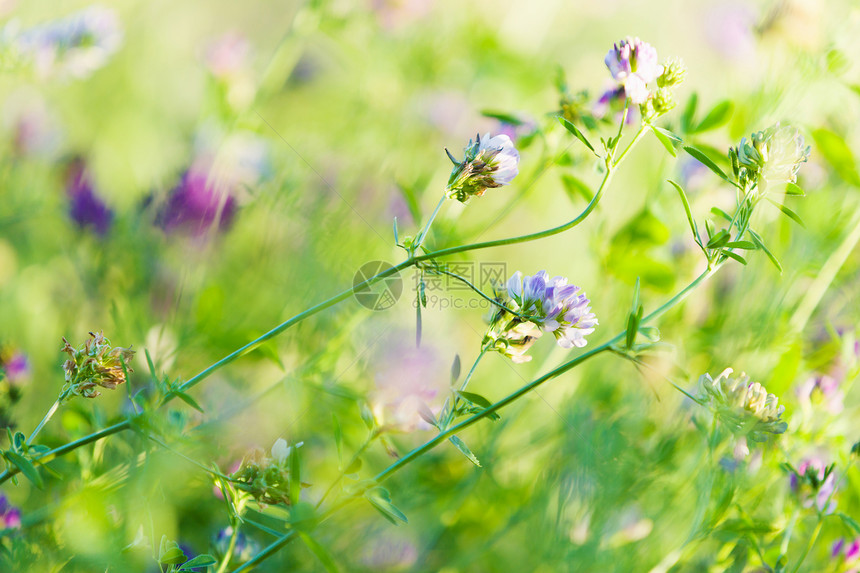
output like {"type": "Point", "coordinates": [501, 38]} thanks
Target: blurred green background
{"type": "Point", "coordinates": [188, 175]}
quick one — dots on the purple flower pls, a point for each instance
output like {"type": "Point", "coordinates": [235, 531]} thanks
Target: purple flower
{"type": "Point", "coordinates": [85, 207]}
{"type": "Point", "coordinates": [17, 366]}
{"type": "Point", "coordinates": [245, 547]}
{"type": "Point", "coordinates": [633, 64]}
{"type": "Point", "coordinates": [541, 305]}
{"type": "Point", "coordinates": [849, 553]}
{"type": "Point", "coordinates": [816, 484]}
{"type": "Point", "coordinates": [852, 552]}
{"type": "Point", "coordinates": [489, 162]}
{"type": "Point", "coordinates": [228, 56]}
{"type": "Point", "coordinates": [196, 204]}
{"type": "Point", "coordinates": [10, 517]}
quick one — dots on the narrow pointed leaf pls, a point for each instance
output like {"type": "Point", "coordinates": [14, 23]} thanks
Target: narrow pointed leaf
{"type": "Point", "coordinates": [666, 138]}
{"type": "Point", "coordinates": [464, 449]}
{"type": "Point", "coordinates": [850, 522]}
{"type": "Point", "coordinates": [689, 113]}
{"type": "Point", "coordinates": [758, 241]}
{"type": "Point", "coordinates": [199, 561]}
{"type": "Point", "coordinates": [718, 116]}
{"type": "Point", "coordinates": [478, 400]}
{"type": "Point", "coordinates": [381, 500]}
{"type": "Point", "coordinates": [295, 476]}
{"type": "Point", "coordinates": [718, 240]}
{"type": "Point", "coordinates": [693, 227]}
{"type": "Point", "coordinates": [735, 256]}
{"type": "Point", "coordinates": [455, 370]}
{"type": "Point", "coordinates": [27, 468]}
{"type": "Point", "coordinates": [706, 161]}
{"type": "Point", "coordinates": [788, 212]}
{"type": "Point", "coordinates": [745, 245]}
{"type": "Point", "coordinates": [188, 400]}
{"type": "Point", "coordinates": [575, 131]}
{"type": "Point", "coordinates": [794, 189]}
{"type": "Point", "coordinates": [720, 213]}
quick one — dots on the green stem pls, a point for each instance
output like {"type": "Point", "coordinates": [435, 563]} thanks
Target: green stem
{"type": "Point", "coordinates": [63, 395]}
{"type": "Point", "coordinates": [813, 538]}
{"type": "Point", "coordinates": [450, 415]}
{"type": "Point", "coordinates": [479, 292]}
{"type": "Point", "coordinates": [228, 555]}
{"type": "Point", "coordinates": [423, 235]}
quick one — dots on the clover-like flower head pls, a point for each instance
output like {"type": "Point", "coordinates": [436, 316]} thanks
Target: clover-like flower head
{"type": "Point", "coordinates": [489, 162]}
{"type": "Point", "coordinates": [633, 64]}
{"type": "Point", "coordinates": [267, 479]}
{"type": "Point", "coordinates": [744, 406]}
{"type": "Point", "coordinates": [773, 155]}
{"type": "Point", "coordinates": [541, 305]}
{"type": "Point", "coordinates": [95, 364]}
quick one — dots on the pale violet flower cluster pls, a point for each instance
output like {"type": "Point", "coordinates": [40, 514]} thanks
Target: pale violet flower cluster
{"type": "Point", "coordinates": [745, 407]}
{"type": "Point", "coordinates": [773, 155]}
{"type": "Point", "coordinates": [633, 64]}
{"type": "Point", "coordinates": [815, 484]}
{"type": "Point", "coordinates": [541, 305]}
{"type": "Point", "coordinates": [75, 45]}
{"type": "Point", "coordinates": [489, 162]}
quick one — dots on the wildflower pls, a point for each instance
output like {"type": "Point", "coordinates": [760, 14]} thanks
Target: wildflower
{"type": "Point", "coordinates": [406, 385]}
{"type": "Point", "coordinates": [815, 483]}
{"type": "Point", "coordinates": [10, 517]}
{"type": "Point", "coordinates": [822, 389]}
{"type": "Point", "coordinates": [266, 478]}
{"type": "Point", "coordinates": [633, 64]}
{"type": "Point", "coordinates": [489, 162]}
{"type": "Point", "coordinates": [746, 407]}
{"type": "Point", "coordinates": [541, 305]}
{"type": "Point", "coordinates": [76, 45]}
{"type": "Point", "coordinates": [14, 364]}
{"type": "Point", "coordinates": [770, 156]}
{"type": "Point", "coordinates": [95, 364]}
{"type": "Point", "coordinates": [85, 207]}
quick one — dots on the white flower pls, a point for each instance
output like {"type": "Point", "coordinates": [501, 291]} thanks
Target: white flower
{"type": "Point", "coordinates": [281, 451]}
{"type": "Point", "coordinates": [489, 162]}
{"type": "Point", "coordinates": [633, 64]}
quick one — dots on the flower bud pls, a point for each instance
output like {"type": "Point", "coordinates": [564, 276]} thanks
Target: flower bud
{"type": "Point", "coordinates": [489, 162]}
{"type": "Point", "coordinates": [95, 364]}
{"type": "Point", "coordinates": [673, 74]}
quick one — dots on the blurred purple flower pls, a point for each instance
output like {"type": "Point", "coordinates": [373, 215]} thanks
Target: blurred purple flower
{"type": "Point", "coordinates": [85, 207]}
{"type": "Point", "coordinates": [818, 485]}
{"type": "Point", "coordinates": [729, 29]}
{"type": "Point", "coordinates": [822, 388]}
{"type": "Point", "coordinates": [17, 366]}
{"type": "Point", "coordinates": [35, 130]}
{"type": "Point", "coordinates": [245, 547]}
{"type": "Point", "coordinates": [693, 173]}
{"type": "Point", "coordinates": [196, 205]}
{"type": "Point", "coordinates": [10, 517]}
{"type": "Point", "coordinates": [228, 56]}
{"type": "Point", "coordinates": [387, 553]}
{"type": "Point", "coordinates": [75, 45]}
{"type": "Point", "coordinates": [407, 384]}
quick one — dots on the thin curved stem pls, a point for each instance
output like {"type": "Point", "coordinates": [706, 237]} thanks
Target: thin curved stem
{"type": "Point", "coordinates": [423, 235]}
{"type": "Point", "coordinates": [479, 292]}
{"type": "Point", "coordinates": [63, 395]}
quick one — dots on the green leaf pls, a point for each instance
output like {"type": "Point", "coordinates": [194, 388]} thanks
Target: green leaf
{"type": "Point", "coordinates": [794, 189]}
{"type": "Point", "coordinates": [455, 370]}
{"type": "Point", "coordinates": [381, 500]}
{"type": "Point", "coordinates": [746, 245]}
{"type": "Point", "coordinates": [575, 131]}
{"type": "Point", "coordinates": [760, 243]}
{"type": "Point", "coordinates": [735, 256]}
{"type": "Point", "coordinates": [689, 113]}
{"type": "Point", "coordinates": [838, 154]}
{"type": "Point", "coordinates": [693, 227]}
{"type": "Point", "coordinates": [338, 439]}
{"type": "Point", "coordinates": [502, 116]}
{"type": "Point", "coordinates": [303, 516]}
{"type": "Point", "coordinates": [353, 467]}
{"type": "Point", "coordinates": [464, 449]}
{"type": "Point", "coordinates": [151, 365]}
{"type": "Point", "coordinates": [188, 400]}
{"type": "Point", "coordinates": [199, 561]}
{"type": "Point", "coordinates": [717, 117]}
{"type": "Point", "coordinates": [720, 213]}
{"type": "Point", "coordinates": [575, 187]}
{"type": "Point", "coordinates": [634, 316]}
{"type": "Point", "coordinates": [667, 138]}
{"type": "Point", "coordinates": [850, 522]}
{"type": "Point", "coordinates": [718, 240]}
{"type": "Point", "coordinates": [321, 553]}
{"type": "Point", "coordinates": [173, 556]}
{"type": "Point", "coordinates": [706, 161]}
{"type": "Point", "coordinates": [478, 400]}
{"type": "Point", "coordinates": [295, 476]}
{"type": "Point", "coordinates": [788, 212]}
{"type": "Point", "coordinates": [27, 468]}
{"type": "Point", "coordinates": [19, 441]}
